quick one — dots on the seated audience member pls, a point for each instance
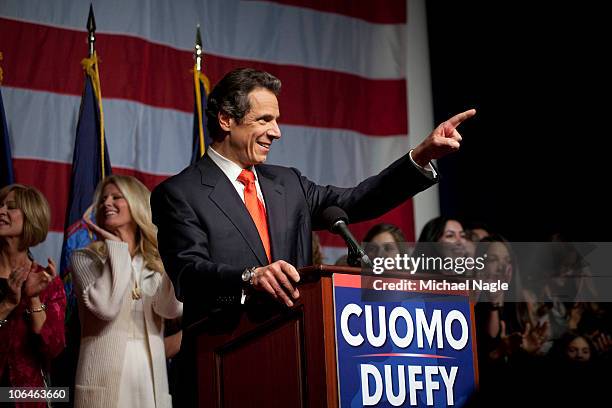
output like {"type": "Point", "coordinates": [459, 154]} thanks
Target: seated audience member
{"type": "Point", "coordinates": [559, 284]}
{"type": "Point", "coordinates": [576, 348]}
{"type": "Point", "coordinates": [32, 303]}
{"type": "Point", "coordinates": [577, 374]}
{"type": "Point", "coordinates": [476, 230]}
{"type": "Point", "coordinates": [384, 240]}
{"type": "Point", "coordinates": [498, 317]}
{"type": "Point", "coordinates": [508, 341]}
{"type": "Point", "coordinates": [123, 295]}
{"type": "Point", "coordinates": [441, 238]}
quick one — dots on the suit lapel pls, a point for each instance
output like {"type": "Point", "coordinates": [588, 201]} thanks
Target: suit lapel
{"type": "Point", "coordinates": [276, 211]}
{"type": "Point", "coordinates": [226, 198]}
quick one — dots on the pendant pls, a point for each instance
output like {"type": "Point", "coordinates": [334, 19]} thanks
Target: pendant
{"type": "Point", "coordinates": [136, 293]}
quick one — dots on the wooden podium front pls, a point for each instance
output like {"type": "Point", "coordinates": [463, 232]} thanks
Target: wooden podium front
{"type": "Point", "coordinates": [268, 355]}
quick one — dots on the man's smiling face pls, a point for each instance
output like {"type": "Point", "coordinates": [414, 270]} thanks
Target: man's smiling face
{"type": "Point", "coordinates": [249, 142]}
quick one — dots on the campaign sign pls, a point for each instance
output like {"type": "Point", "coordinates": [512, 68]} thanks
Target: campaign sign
{"type": "Point", "coordinates": [403, 349]}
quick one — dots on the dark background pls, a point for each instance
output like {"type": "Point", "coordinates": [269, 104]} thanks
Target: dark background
{"type": "Point", "coordinates": [534, 159]}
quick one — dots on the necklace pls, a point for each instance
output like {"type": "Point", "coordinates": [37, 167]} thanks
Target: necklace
{"type": "Point", "coordinates": [135, 291]}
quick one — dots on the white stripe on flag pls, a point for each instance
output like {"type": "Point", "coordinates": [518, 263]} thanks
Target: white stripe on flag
{"type": "Point", "coordinates": [158, 141]}
{"type": "Point", "coordinates": [333, 41]}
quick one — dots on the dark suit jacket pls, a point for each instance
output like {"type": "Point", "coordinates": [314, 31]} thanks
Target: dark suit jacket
{"type": "Point", "coordinates": [207, 237]}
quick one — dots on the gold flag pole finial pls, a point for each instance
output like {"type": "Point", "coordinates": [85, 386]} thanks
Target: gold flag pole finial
{"type": "Point", "coordinates": [91, 29]}
{"type": "Point", "coordinates": [198, 51]}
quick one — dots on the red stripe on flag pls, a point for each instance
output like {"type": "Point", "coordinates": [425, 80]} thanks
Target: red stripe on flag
{"type": "Point", "coordinates": [380, 11]}
{"type": "Point", "coordinates": [53, 180]}
{"type": "Point", "coordinates": [157, 75]}
{"type": "Point", "coordinates": [402, 216]}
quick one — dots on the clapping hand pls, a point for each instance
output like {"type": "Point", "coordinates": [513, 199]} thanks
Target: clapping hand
{"type": "Point", "coordinates": [37, 281]}
{"type": "Point", "coordinates": [15, 282]}
{"type": "Point", "coordinates": [508, 344]}
{"type": "Point", "coordinates": [535, 337]}
{"type": "Point", "coordinates": [602, 343]}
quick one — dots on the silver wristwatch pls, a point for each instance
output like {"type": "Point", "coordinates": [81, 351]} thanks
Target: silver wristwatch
{"type": "Point", "coordinates": [247, 276]}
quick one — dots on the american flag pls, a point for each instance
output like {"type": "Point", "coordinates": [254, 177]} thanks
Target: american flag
{"type": "Point", "coordinates": [356, 88]}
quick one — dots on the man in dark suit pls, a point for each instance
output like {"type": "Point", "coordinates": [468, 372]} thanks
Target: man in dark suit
{"type": "Point", "coordinates": [229, 223]}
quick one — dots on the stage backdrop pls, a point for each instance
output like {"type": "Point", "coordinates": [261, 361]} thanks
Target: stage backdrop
{"type": "Point", "coordinates": [356, 87]}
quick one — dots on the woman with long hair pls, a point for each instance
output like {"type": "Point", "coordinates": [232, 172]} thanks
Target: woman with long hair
{"type": "Point", "coordinates": [124, 295]}
{"type": "Point", "coordinates": [32, 302]}
{"type": "Point", "coordinates": [384, 240]}
{"type": "Point", "coordinates": [442, 238]}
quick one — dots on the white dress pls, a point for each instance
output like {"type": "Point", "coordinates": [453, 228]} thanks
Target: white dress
{"type": "Point", "coordinates": [136, 388]}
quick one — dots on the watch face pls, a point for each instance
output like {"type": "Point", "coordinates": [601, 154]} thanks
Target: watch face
{"type": "Point", "coordinates": [246, 275]}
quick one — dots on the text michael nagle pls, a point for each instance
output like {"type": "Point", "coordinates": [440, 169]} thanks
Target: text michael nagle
{"type": "Point", "coordinates": [441, 285]}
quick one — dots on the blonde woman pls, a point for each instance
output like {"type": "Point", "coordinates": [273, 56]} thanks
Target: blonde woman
{"type": "Point", "coordinates": [124, 295]}
{"type": "Point", "coordinates": [32, 303]}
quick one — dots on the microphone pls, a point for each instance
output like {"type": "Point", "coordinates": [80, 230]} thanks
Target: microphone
{"type": "Point", "coordinates": [336, 221]}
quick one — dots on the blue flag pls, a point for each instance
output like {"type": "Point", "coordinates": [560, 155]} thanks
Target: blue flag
{"type": "Point", "coordinates": [6, 162]}
{"type": "Point", "coordinates": [86, 174]}
{"type": "Point", "coordinates": [201, 87]}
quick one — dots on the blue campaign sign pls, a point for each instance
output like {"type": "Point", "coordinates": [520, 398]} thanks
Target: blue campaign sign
{"type": "Point", "coordinates": [403, 349]}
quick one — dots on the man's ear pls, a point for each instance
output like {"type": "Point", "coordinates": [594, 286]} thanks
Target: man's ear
{"type": "Point", "coordinates": [224, 121]}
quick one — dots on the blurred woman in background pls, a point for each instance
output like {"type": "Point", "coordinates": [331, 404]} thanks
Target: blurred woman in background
{"type": "Point", "coordinates": [384, 240]}
{"type": "Point", "coordinates": [33, 302]}
{"type": "Point", "coordinates": [441, 239]}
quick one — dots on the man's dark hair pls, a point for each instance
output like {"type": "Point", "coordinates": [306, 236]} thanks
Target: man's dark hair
{"type": "Point", "coordinates": [231, 96]}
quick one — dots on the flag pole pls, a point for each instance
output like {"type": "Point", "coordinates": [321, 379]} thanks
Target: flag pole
{"type": "Point", "coordinates": [197, 77]}
{"type": "Point", "coordinates": [91, 67]}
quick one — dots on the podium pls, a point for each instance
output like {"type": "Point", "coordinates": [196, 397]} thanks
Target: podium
{"type": "Point", "coordinates": [268, 355]}
{"type": "Point", "coordinates": [264, 354]}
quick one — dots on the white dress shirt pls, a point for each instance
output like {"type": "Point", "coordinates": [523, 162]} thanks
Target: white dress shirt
{"type": "Point", "coordinates": [232, 171]}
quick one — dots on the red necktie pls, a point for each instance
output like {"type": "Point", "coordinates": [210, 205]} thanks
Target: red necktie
{"type": "Point", "coordinates": [255, 208]}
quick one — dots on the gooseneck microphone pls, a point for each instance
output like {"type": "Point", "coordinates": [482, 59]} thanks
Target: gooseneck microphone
{"type": "Point", "coordinates": [336, 220]}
